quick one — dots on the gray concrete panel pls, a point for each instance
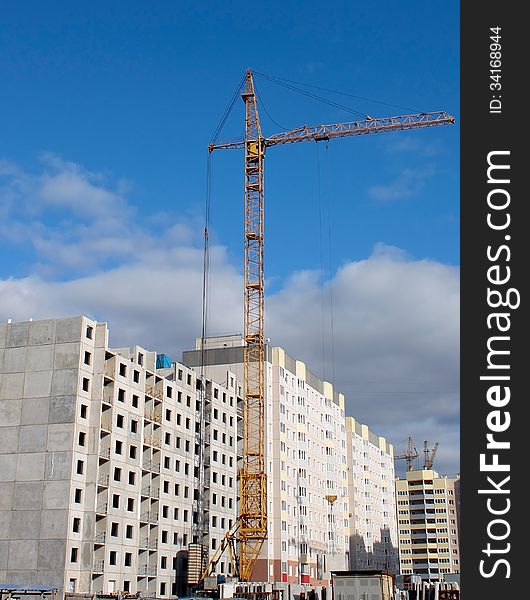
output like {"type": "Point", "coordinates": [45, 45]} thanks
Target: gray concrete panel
{"type": "Point", "coordinates": [58, 465]}
{"type": "Point", "coordinates": [42, 332]}
{"type": "Point", "coordinates": [54, 524]}
{"type": "Point", "coordinates": [25, 524]}
{"type": "Point", "coordinates": [38, 384]}
{"type": "Point", "coordinates": [35, 411]}
{"type": "Point", "coordinates": [56, 494]}
{"type": "Point", "coordinates": [40, 358]}
{"type": "Point", "coordinates": [3, 335]}
{"type": "Point", "coordinates": [51, 555]}
{"type": "Point", "coordinates": [60, 437]}
{"type": "Point", "coordinates": [12, 386]}
{"type": "Point", "coordinates": [8, 467]}
{"type": "Point", "coordinates": [69, 330]}
{"type": "Point", "coordinates": [32, 438]}
{"type": "Point", "coordinates": [64, 382]}
{"type": "Point", "coordinates": [30, 466]}
{"type": "Point", "coordinates": [28, 495]}
{"type": "Point", "coordinates": [17, 334]}
{"type": "Point", "coordinates": [8, 440]}
{"type": "Point", "coordinates": [23, 555]}
{"type": "Point", "coordinates": [7, 489]}
{"type": "Point", "coordinates": [67, 355]}
{"type": "Point", "coordinates": [4, 551]}
{"type": "Point", "coordinates": [15, 360]}
{"type": "Point", "coordinates": [5, 524]}
{"type": "Point", "coordinates": [62, 409]}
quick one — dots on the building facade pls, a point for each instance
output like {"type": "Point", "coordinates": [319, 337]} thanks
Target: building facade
{"type": "Point", "coordinates": [372, 516]}
{"type": "Point", "coordinates": [427, 525]}
{"type": "Point", "coordinates": [331, 503]}
{"type": "Point", "coordinates": [99, 469]}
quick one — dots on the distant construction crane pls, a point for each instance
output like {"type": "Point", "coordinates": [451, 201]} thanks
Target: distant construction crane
{"type": "Point", "coordinates": [410, 455]}
{"type": "Point", "coordinates": [250, 531]}
{"type": "Point", "coordinates": [429, 455]}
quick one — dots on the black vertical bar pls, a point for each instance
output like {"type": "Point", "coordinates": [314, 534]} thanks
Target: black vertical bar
{"type": "Point", "coordinates": [493, 124]}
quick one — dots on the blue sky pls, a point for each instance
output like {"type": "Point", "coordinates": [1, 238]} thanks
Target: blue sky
{"type": "Point", "coordinates": [107, 110]}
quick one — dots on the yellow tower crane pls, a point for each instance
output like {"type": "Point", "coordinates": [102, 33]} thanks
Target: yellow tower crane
{"type": "Point", "coordinates": [246, 538]}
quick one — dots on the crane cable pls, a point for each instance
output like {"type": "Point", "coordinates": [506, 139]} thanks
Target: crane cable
{"type": "Point", "coordinates": [329, 283]}
{"type": "Point", "coordinates": [310, 95]}
{"type": "Point", "coordinates": [317, 87]}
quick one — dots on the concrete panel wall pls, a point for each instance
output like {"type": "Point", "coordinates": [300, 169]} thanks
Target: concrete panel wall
{"type": "Point", "coordinates": [39, 381]}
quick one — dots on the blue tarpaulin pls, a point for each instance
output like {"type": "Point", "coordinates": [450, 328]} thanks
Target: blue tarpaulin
{"type": "Point", "coordinates": [163, 361]}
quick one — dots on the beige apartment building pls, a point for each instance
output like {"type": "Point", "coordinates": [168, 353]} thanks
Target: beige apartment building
{"type": "Point", "coordinates": [428, 524]}
{"type": "Point", "coordinates": [99, 468]}
{"type": "Point", "coordinates": [320, 509]}
{"type": "Point", "coordinates": [373, 533]}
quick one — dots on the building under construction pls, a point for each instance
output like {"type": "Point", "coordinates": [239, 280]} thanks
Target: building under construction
{"type": "Point", "coordinates": [114, 461]}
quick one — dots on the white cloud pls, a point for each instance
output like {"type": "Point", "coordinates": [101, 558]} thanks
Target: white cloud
{"type": "Point", "coordinates": [395, 319]}
{"type": "Point", "coordinates": [409, 183]}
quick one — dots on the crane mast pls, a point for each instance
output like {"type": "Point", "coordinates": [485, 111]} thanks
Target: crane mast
{"type": "Point", "coordinates": [253, 483]}
{"type": "Point", "coordinates": [250, 530]}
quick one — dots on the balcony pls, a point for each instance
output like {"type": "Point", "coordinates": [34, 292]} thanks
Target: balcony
{"type": "Point", "coordinates": [101, 509]}
{"type": "Point", "coordinates": [153, 415]}
{"type": "Point", "coordinates": [151, 491]}
{"type": "Point", "coordinates": [149, 570]}
{"type": "Point", "coordinates": [104, 453]}
{"type": "Point", "coordinates": [100, 537]}
{"type": "Point", "coordinates": [98, 566]}
{"type": "Point", "coordinates": [151, 465]}
{"type": "Point", "coordinates": [152, 440]}
{"type": "Point", "coordinates": [153, 392]}
{"type": "Point", "coordinates": [103, 481]}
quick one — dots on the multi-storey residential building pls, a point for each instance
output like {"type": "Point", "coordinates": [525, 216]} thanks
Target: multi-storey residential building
{"type": "Point", "coordinates": [99, 469]}
{"type": "Point", "coordinates": [427, 524]}
{"type": "Point", "coordinates": [373, 534]}
{"type": "Point", "coordinates": [305, 460]}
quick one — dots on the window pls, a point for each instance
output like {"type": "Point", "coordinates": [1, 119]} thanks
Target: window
{"type": "Point", "coordinates": [85, 384]}
{"type": "Point", "coordinates": [163, 563]}
{"type": "Point", "coordinates": [130, 504]}
{"type": "Point", "coordinates": [121, 395]}
{"type": "Point", "coordinates": [167, 438]}
{"type": "Point", "coordinates": [123, 370]}
{"type": "Point", "coordinates": [115, 501]}
{"type": "Point", "coordinates": [129, 532]}
{"type": "Point", "coordinates": [132, 477]}
{"type": "Point", "coordinates": [140, 359]}
{"type": "Point", "coordinates": [83, 411]}
{"type": "Point", "coordinates": [167, 462]}
{"type": "Point", "coordinates": [82, 438]}
{"type": "Point", "coordinates": [134, 401]}
{"type": "Point", "coordinates": [177, 489]}
{"type": "Point", "coordinates": [179, 375]}
{"type": "Point", "coordinates": [78, 494]}
{"type": "Point", "coordinates": [89, 332]}
{"type": "Point", "coordinates": [185, 516]}
{"type": "Point", "coordinates": [169, 392]}
{"type": "Point", "coordinates": [134, 426]}
{"type": "Point", "coordinates": [166, 487]}
{"type": "Point", "coordinates": [80, 467]}
{"type": "Point", "coordinates": [114, 529]}
{"type": "Point", "coordinates": [165, 511]}
{"type": "Point", "coordinates": [128, 559]}
{"type": "Point", "coordinates": [73, 555]}
{"type": "Point", "coordinates": [163, 588]}
{"type": "Point", "coordinates": [87, 359]}
{"type": "Point", "coordinates": [112, 557]}
{"type": "Point", "coordinates": [136, 376]}
{"type": "Point", "coordinates": [164, 537]}
{"type": "Point", "coordinates": [117, 474]}
{"type": "Point", "coordinates": [132, 452]}
{"type": "Point", "coordinates": [168, 414]}
{"type": "Point", "coordinates": [76, 524]}
{"type": "Point", "coordinates": [177, 442]}
{"type": "Point", "coordinates": [118, 447]}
